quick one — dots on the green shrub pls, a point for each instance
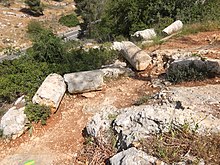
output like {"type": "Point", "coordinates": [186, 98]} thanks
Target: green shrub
{"type": "Point", "coordinates": [49, 54]}
{"type": "Point", "coordinates": [81, 60]}
{"type": "Point", "coordinates": [134, 15]}
{"type": "Point", "coordinates": [35, 7]}
{"type": "Point", "coordinates": [48, 48]}
{"type": "Point", "coordinates": [34, 28]}
{"type": "Point", "coordinates": [18, 78]}
{"type": "Point", "coordinates": [22, 76]}
{"type": "Point", "coordinates": [25, 75]}
{"type": "Point", "coordinates": [70, 20]}
{"type": "Point", "coordinates": [36, 113]}
{"type": "Point", "coordinates": [187, 73]}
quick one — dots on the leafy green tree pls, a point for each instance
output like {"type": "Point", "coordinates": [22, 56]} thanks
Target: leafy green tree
{"type": "Point", "coordinates": [35, 7]}
{"type": "Point", "coordinates": [47, 47]}
{"type": "Point", "coordinates": [91, 12]}
{"type": "Point", "coordinates": [124, 17]}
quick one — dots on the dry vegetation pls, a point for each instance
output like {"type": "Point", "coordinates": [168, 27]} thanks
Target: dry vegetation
{"type": "Point", "coordinates": [94, 152]}
{"type": "Point", "coordinates": [183, 145]}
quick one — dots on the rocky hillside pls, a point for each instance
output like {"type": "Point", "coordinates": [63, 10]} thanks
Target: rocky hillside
{"type": "Point", "coordinates": [119, 115]}
{"type": "Point", "coordinates": [15, 18]}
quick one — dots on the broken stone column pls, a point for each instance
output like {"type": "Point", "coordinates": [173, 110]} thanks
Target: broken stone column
{"type": "Point", "coordinates": [146, 34]}
{"type": "Point", "coordinates": [174, 27]}
{"type": "Point", "coordinates": [51, 92]}
{"type": "Point", "coordinates": [138, 58]}
{"type": "Point", "coordinates": [86, 81]}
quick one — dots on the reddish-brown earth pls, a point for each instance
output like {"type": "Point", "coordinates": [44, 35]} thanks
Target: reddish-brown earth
{"type": "Point", "coordinates": [61, 139]}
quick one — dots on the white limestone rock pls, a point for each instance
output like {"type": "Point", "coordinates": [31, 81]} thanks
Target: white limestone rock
{"type": "Point", "coordinates": [146, 34]}
{"type": "Point", "coordinates": [132, 156]}
{"type": "Point", "coordinates": [86, 81]}
{"type": "Point", "coordinates": [51, 92]}
{"type": "Point", "coordinates": [174, 27]}
{"type": "Point", "coordinates": [13, 123]}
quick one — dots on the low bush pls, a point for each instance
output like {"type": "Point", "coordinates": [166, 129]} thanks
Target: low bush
{"type": "Point", "coordinates": [187, 73]}
{"type": "Point", "coordinates": [47, 48]}
{"type": "Point", "coordinates": [70, 20]}
{"type": "Point", "coordinates": [34, 28]}
{"type": "Point", "coordinates": [49, 54]}
{"type": "Point", "coordinates": [21, 76]}
{"type": "Point", "coordinates": [81, 60]}
{"type": "Point", "coordinates": [25, 75]}
{"type": "Point", "coordinates": [35, 7]}
{"type": "Point", "coordinates": [36, 113]}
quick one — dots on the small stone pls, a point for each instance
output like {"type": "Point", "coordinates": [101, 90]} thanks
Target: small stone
{"type": "Point", "coordinates": [89, 95]}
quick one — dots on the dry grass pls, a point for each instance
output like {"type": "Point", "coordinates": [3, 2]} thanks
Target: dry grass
{"type": "Point", "coordinates": [199, 27]}
{"type": "Point", "coordinates": [14, 21]}
{"type": "Point", "coordinates": [183, 145]}
{"type": "Point", "coordinates": [95, 152]}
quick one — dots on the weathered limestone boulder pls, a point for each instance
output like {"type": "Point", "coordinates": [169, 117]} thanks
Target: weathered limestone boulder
{"type": "Point", "coordinates": [138, 122]}
{"type": "Point", "coordinates": [135, 123]}
{"type": "Point", "coordinates": [132, 156]}
{"type": "Point", "coordinates": [94, 126]}
{"type": "Point", "coordinates": [101, 121]}
{"type": "Point", "coordinates": [174, 27]}
{"type": "Point", "coordinates": [51, 92]}
{"type": "Point", "coordinates": [138, 58]}
{"type": "Point", "coordinates": [13, 122]}
{"type": "Point", "coordinates": [197, 107]}
{"type": "Point", "coordinates": [86, 81]}
{"type": "Point", "coordinates": [199, 99]}
{"type": "Point", "coordinates": [146, 34]}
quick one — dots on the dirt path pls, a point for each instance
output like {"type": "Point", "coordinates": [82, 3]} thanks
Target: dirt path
{"type": "Point", "coordinates": [59, 141]}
